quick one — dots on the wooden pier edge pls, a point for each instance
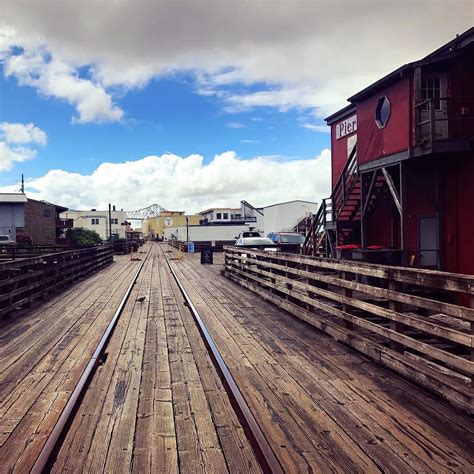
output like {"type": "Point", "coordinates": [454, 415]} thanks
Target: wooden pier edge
{"type": "Point", "coordinates": [295, 285]}
{"type": "Point", "coordinates": [26, 280]}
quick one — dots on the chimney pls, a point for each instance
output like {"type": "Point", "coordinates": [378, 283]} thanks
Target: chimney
{"type": "Point", "coordinates": [113, 207]}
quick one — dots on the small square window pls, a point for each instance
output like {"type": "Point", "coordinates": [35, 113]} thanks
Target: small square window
{"type": "Point", "coordinates": [226, 215]}
{"type": "Point", "coordinates": [218, 215]}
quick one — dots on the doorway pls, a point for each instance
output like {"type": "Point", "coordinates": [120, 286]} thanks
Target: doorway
{"type": "Point", "coordinates": [429, 241]}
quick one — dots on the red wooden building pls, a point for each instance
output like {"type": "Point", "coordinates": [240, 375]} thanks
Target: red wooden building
{"type": "Point", "coordinates": [403, 167]}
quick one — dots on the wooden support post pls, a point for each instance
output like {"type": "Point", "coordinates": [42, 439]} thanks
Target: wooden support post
{"type": "Point", "coordinates": [471, 304]}
{"type": "Point", "coordinates": [346, 292]}
{"type": "Point", "coordinates": [403, 215]}
{"type": "Point", "coordinates": [394, 325]}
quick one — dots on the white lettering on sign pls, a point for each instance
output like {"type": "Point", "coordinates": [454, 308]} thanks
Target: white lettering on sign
{"type": "Point", "coordinates": [346, 127]}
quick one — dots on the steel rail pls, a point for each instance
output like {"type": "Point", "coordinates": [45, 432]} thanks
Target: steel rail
{"type": "Point", "coordinates": [51, 446]}
{"type": "Point", "coordinates": [261, 447]}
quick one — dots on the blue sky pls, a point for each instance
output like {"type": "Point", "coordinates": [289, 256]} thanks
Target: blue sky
{"type": "Point", "coordinates": [167, 115]}
{"type": "Point", "coordinates": [188, 104]}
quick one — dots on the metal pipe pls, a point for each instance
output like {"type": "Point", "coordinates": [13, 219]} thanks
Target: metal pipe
{"type": "Point", "coordinates": [262, 449]}
{"type": "Point", "coordinates": [52, 444]}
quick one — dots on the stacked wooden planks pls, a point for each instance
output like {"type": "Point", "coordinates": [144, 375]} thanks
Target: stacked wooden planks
{"type": "Point", "coordinates": [411, 320]}
{"type": "Point", "coordinates": [322, 405]}
{"type": "Point", "coordinates": [157, 403]}
{"type": "Point", "coordinates": [42, 356]}
{"type": "Point", "coordinates": [26, 280]}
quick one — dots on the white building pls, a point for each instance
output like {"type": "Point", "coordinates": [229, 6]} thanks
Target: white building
{"type": "Point", "coordinates": [284, 216]}
{"type": "Point", "coordinates": [220, 215]}
{"type": "Point", "coordinates": [12, 213]}
{"type": "Point", "coordinates": [205, 233]}
{"type": "Point", "coordinates": [245, 214]}
{"type": "Point", "coordinates": [98, 221]}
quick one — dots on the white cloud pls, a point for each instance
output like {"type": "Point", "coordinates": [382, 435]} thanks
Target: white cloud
{"type": "Point", "coordinates": [299, 54]}
{"type": "Point", "coordinates": [12, 134]}
{"type": "Point", "coordinates": [249, 141]}
{"type": "Point", "coordinates": [187, 183]}
{"type": "Point", "coordinates": [10, 155]}
{"type": "Point", "coordinates": [22, 133]}
{"type": "Point", "coordinates": [317, 128]}
{"type": "Point", "coordinates": [235, 125]}
{"type": "Point", "coordinates": [55, 78]}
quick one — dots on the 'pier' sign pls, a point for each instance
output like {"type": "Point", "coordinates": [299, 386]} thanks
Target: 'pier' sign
{"type": "Point", "coordinates": [346, 127]}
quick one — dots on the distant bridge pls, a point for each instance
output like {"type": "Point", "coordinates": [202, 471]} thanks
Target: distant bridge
{"type": "Point", "coordinates": [146, 213]}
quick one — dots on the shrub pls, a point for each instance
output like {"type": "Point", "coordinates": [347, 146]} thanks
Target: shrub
{"type": "Point", "coordinates": [78, 236]}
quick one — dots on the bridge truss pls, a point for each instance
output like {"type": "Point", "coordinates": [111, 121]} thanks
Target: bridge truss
{"type": "Point", "coordinates": [146, 213]}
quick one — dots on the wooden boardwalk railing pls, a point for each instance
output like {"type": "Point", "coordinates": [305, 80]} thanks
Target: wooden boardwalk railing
{"type": "Point", "coordinates": [13, 252]}
{"type": "Point", "coordinates": [23, 281]}
{"type": "Point", "coordinates": [217, 245]}
{"type": "Point", "coordinates": [417, 322]}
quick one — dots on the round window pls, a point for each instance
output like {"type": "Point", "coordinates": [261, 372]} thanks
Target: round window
{"type": "Point", "coordinates": [382, 112]}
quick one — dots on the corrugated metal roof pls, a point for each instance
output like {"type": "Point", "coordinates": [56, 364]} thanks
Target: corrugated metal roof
{"type": "Point", "coordinates": [13, 197]}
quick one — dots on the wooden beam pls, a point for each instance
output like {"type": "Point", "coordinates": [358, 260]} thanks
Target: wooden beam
{"type": "Point", "coordinates": [393, 190]}
{"type": "Point", "coordinates": [369, 193]}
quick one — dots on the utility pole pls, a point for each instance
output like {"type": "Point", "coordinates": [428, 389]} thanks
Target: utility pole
{"type": "Point", "coordinates": [187, 229]}
{"type": "Point", "coordinates": [110, 223]}
{"type": "Point", "coordinates": [22, 188]}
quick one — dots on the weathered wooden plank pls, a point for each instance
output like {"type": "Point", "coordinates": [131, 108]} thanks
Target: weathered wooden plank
{"type": "Point", "coordinates": [453, 360]}
{"type": "Point", "coordinates": [415, 276]}
{"type": "Point", "coordinates": [454, 310]}
{"type": "Point", "coordinates": [455, 392]}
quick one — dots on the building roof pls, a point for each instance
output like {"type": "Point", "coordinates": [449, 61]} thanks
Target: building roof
{"type": "Point", "coordinates": [289, 202]}
{"type": "Point", "coordinates": [220, 209]}
{"type": "Point", "coordinates": [348, 109]}
{"type": "Point", "coordinates": [13, 198]}
{"type": "Point", "coordinates": [59, 208]}
{"type": "Point", "coordinates": [446, 51]}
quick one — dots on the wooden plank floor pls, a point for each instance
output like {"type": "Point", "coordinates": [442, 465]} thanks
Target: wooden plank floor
{"type": "Point", "coordinates": [157, 403]}
{"type": "Point", "coordinates": [322, 405]}
{"type": "Point", "coordinates": [42, 355]}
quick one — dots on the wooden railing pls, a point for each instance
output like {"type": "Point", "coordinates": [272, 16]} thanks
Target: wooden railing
{"type": "Point", "coordinates": [198, 246]}
{"type": "Point", "coordinates": [417, 322]}
{"type": "Point", "coordinates": [345, 184]}
{"type": "Point", "coordinates": [23, 281]}
{"type": "Point", "coordinates": [444, 118]}
{"type": "Point", "coordinates": [13, 252]}
{"type": "Point", "coordinates": [317, 235]}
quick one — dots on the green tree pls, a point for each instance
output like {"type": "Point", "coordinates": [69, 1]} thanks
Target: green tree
{"type": "Point", "coordinates": [78, 236]}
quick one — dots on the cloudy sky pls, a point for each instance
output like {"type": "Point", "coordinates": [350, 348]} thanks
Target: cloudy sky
{"type": "Point", "coordinates": [191, 104]}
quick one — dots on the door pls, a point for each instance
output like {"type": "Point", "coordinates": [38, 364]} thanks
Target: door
{"type": "Point", "coordinates": [435, 87]}
{"type": "Point", "coordinates": [429, 242]}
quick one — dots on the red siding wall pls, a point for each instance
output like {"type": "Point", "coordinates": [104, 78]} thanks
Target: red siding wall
{"type": "Point", "coordinates": [422, 183]}
{"type": "Point", "coordinates": [374, 142]}
{"type": "Point", "coordinates": [459, 214]}
{"type": "Point", "coordinates": [338, 150]}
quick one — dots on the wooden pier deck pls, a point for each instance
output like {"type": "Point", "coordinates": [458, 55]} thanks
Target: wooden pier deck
{"type": "Point", "coordinates": [157, 404]}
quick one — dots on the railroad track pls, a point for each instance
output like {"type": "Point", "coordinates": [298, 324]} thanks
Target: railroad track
{"type": "Point", "coordinates": [262, 450]}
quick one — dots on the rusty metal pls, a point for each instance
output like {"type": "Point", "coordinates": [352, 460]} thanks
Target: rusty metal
{"type": "Point", "coordinates": [52, 445]}
{"type": "Point", "coordinates": [261, 447]}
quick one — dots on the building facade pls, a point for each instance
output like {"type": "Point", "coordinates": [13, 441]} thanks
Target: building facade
{"type": "Point", "coordinates": [285, 216]}
{"type": "Point", "coordinates": [98, 221]}
{"type": "Point", "coordinates": [403, 164]}
{"type": "Point", "coordinates": [12, 213]}
{"type": "Point", "coordinates": [43, 223]}
{"type": "Point", "coordinates": [155, 227]}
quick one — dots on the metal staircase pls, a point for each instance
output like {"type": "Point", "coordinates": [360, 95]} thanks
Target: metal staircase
{"type": "Point", "coordinates": [338, 220]}
{"type": "Point", "coordinates": [338, 216]}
